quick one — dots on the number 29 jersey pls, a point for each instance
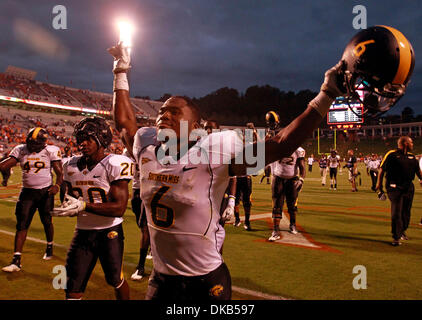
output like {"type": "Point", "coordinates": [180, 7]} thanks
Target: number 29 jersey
{"type": "Point", "coordinates": [182, 202]}
{"type": "Point", "coordinates": [94, 185]}
{"type": "Point", "coordinates": [36, 167]}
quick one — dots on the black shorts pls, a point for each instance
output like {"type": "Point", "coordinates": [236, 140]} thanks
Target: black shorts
{"type": "Point", "coordinates": [333, 172]}
{"type": "Point", "coordinates": [29, 201]}
{"type": "Point", "coordinates": [284, 189]}
{"type": "Point", "coordinates": [215, 285]}
{"type": "Point", "coordinates": [86, 247]}
{"type": "Point", "coordinates": [244, 191]}
{"type": "Point", "coordinates": [138, 209]}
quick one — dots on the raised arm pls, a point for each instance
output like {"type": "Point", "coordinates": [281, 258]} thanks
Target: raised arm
{"type": "Point", "coordinates": [301, 128]}
{"type": "Point", "coordinates": [123, 112]}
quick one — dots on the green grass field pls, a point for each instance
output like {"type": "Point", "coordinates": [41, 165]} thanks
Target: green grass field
{"type": "Point", "coordinates": [345, 229]}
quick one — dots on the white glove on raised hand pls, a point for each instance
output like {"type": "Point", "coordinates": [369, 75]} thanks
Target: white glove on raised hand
{"type": "Point", "coordinates": [70, 207]}
{"type": "Point", "coordinates": [121, 57]}
{"type": "Point", "coordinates": [228, 213]}
{"type": "Point", "coordinates": [332, 81]}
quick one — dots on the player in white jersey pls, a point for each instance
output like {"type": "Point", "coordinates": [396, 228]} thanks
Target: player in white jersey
{"type": "Point", "coordinates": [333, 164]}
{"type": "Point", "coordinates": [98, 195]}
{"type": "Point", "coordinates": [36, 159]}
{"type": "Point", "coordinates": [372, 167]}
{"type": "Point", "coordinates": [286, 184]}
{"type": "Point", "coordinates": [141, 220]}
{"type": "Point", "coordinates": [183, 200]}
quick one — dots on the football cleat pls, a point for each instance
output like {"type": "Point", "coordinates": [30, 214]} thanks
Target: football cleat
{"type": "Point", "coordinates": [293, 230]}
{"type": "Point", "coordinates": [237, 223]}
{"type": "Point", "coordinates": [247, 227]}
{"type": "Point", "coordinates": [12, 268]}
{"type": "Point", "coordinates": [396, 243]}
{"type": "Point", "coordinates": [404, 237]}
{"type": "Point", "coordinates": [48, 255]}
{"type": "Point", "coordinates": [275, 236]}
{"type": "Point", "coordinates": [138, 274]}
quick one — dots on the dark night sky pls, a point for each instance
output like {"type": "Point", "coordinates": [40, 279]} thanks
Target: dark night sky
{"type": "Point", "coordinates": [193, 47]}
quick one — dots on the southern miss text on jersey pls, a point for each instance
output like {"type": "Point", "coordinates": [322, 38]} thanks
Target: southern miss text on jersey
{"type": "Point", "coordinates": [93, 185]}
{"type": "Point", "coordinates": [286, 167]}
{"type": "Point", "coordinates": [36, 167]}
{"type": "Point", "coordinates": [183, 202]}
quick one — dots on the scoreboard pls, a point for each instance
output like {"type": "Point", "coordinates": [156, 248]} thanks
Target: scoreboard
{"type": "Point", "coordinates": [341, 116]}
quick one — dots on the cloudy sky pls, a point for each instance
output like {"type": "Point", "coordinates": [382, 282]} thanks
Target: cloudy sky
{"type": "Point", "coordinates": [194, 47]}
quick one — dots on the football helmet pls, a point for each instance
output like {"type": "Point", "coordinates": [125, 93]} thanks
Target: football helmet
{"type": "Point", "coordinates": [272, 120]}
{"type": "Point", "coordinates": [96, 128]}
{"type": "Point", "coordinates": [36, 139]}
{"type": "Point", "coordinates": [377, 65]}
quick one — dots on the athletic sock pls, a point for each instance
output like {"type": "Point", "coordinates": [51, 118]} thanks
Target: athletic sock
{"type": "Point", "coordinates": [142, 256]}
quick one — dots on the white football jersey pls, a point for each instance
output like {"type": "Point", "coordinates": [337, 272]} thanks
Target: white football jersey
{"type": "Point", "coordinates": [183, 200]}
{"type": "Point", "coordinates": [286, 167]}
{"type": "Point", "coordinates": [36, 167]}
{"type": "Point", "coordinates": [136, 184]}
{"type": "Point", "coordinates": [93, 186]}
{"type": "Point", "coordinates": [334, 161]}
{"type": "Point", "coordinates": [373, 164]}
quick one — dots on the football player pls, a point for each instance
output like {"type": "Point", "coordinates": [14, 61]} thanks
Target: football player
{"type": "Point", "coordinates": [97, 195]}
{"type": "Point", "coordinates": [6, 173]}
{"type": "Point", "coordinates": [182, 198]}
{"type": "Point", "coordinates": [333, 163]}
{"type": "Point", "coordinates": [286, 184]}
{"type": "Point", "coordinates": [229, 199]}
{"type": "Point", "coordinates": [352, 166]}
{"type": "Point", "coordinates": [36, 159]}
{"type": "Point", "coordinates": [141, 220]}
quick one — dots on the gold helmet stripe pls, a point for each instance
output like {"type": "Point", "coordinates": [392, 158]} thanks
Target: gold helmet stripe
{"type": "Point", "coordinates": [35, 133]}
{"type": "Point", "coordinates": [275, 116]}
{"type": "Point", "coordinates": [405, 63]}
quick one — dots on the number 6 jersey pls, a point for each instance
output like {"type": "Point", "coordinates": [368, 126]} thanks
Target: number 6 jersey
{"type": "Point", "coordinates": [182, 202]}
{"type": "Point", "coordinates": [36, 167]}
{"type": "Point", "coordinates": [93, 186]}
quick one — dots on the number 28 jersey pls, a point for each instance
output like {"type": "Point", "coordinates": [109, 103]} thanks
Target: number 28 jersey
{"type": "Point", "coordinates": [182, 202]}
{"type": "Point", "coordinates": [94, 185]}
{"type": "Point", "coordinates": [36, 167]}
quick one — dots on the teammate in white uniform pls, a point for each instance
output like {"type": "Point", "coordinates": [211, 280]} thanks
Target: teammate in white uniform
{"type": "Point", "coordinates": [286, 184]}
{"type": "Point", "coordinates": [36, 160]}
{"type": "Point", "coordinates": [372, 167]}
{"type": "Point", "coordinates": [141, 220]}
{"type": "Point", "coordinates": [183, 199]}
{"type": "Point", "coordinates": [99, 185]}
{"type": "Point", "coordinates": [333, 163]}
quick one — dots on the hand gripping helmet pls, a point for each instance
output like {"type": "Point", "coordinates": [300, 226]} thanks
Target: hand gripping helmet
{"type": "Point", "coordinates": [96, 128]}
{"type": "Point", "coordinates": [273, 120]}
{"type": "Point", "coordinates": [36, 139]}
{"type": "Point", "coordinates": [379, 62]}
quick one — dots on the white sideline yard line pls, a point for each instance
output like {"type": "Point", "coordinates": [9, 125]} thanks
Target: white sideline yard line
{"type": "Point", "coordinates": [253, 293]}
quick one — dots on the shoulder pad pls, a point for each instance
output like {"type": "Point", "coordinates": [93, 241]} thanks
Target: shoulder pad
{"type": "Point", "coordinates": [144, 137]}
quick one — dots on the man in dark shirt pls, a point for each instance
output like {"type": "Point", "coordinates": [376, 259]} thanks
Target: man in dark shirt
{"type": "Point", "coordinates": [400, 167]}
{"type": "Point", "coordinates": [351, 164]}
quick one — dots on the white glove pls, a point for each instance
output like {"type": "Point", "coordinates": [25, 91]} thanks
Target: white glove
{"type": "Point", "coordinates": [121, 58]}
{"type": "Point", "coordinates": [332, 81]}
{"type": "Point", "coordinates": [228, 213]}
{"type": "Point", "coordinates": [70, 207]}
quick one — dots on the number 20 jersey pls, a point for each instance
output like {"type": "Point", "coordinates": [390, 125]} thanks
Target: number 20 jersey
{"type": "Point", "coordinates": [36, 167]}
{"type": "Point", "coordinates": [182, 202]}
{"type": "Point", "coordinates": [93, 186]}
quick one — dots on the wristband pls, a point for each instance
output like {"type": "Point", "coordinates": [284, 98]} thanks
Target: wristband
{"type": "Point", "coordinates": [321, 103]}
{"type": "Point", "coordinates": [120, 81]}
